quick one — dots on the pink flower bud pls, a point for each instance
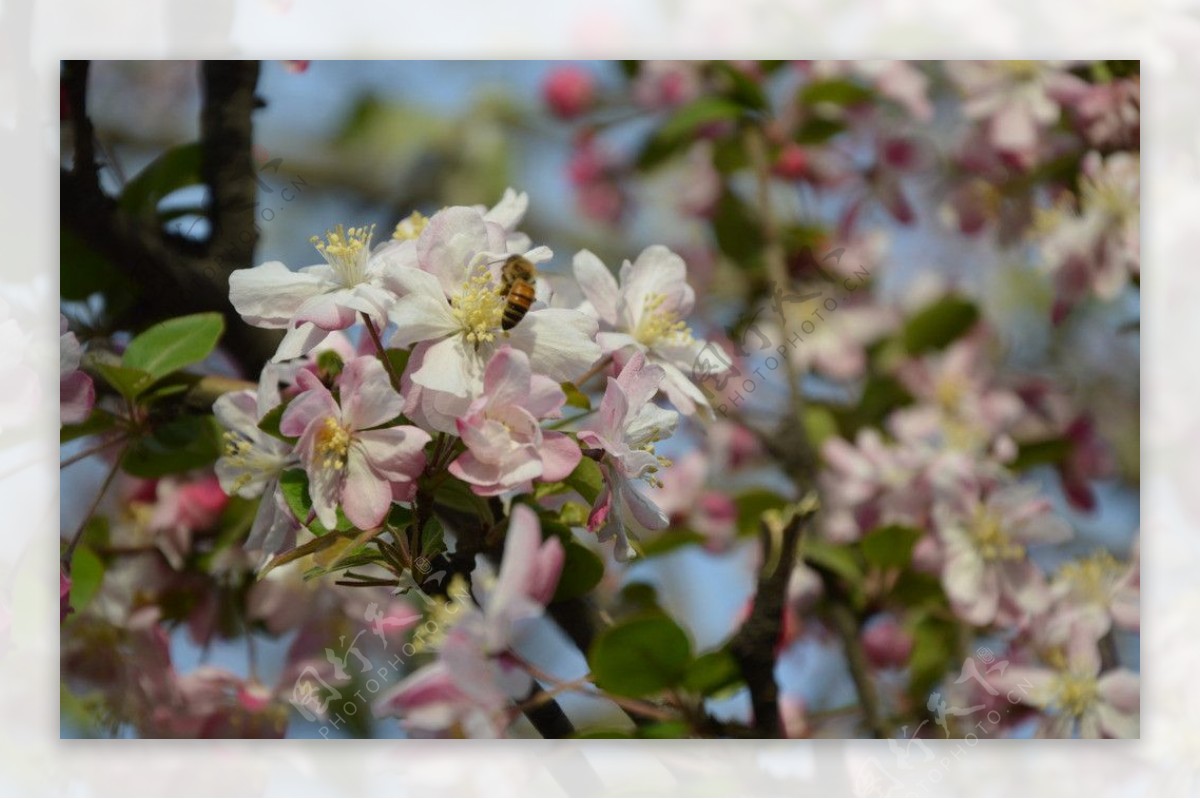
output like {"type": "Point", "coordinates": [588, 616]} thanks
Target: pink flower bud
{"type": "Point", "coordinates": [886, 644]}
{"type": "Point", "coordinates": [792, 162]}
{"type": "Point", "coordinates": [569, 91]}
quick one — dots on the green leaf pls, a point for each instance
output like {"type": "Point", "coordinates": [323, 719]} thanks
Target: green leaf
{"type": "Point", "coordinates": [587, 479]}
{"type": "Point", "coordinates": [836, 91]}
{"type": "Point", "coordinates": [933, 653]}
{"type": "Point", "coordinates": [269, 424]}
{"type": "Point", "coordinates": [737, 231]}
{"type": "Point", "coordinates": [818, 130]}
{"type": "Point", "coordinates": [604, 733]}
{"type": "Point", "coordinates": [176, 168]}
{"type": "Point", "coordinates": [308, 548]}
{"type": "Point", "coordinates": [917, 590]}
{"type": "Point", "coordinates": [87, 573]}
{"type": "Point", "coordinates": [432, 538]}
{"type": "Point", "coordinates": [676, 133]}
{"type": "Point", "coordinates": [98, 421]}
{"type": "Point", "coordinates": [713, 673]}
{"type": "Point", "coordinates": [819, 424]}
{"type": "Point", "coordinates": [171, 345]}
{"type": "Point", "coordinates": [890, 547]}
{"type": "Point", "coordinates": [582, 571]}
{"type": "Point", "coordinates": [752, 504]}
{"type": "Point", "coordinates": [743, 89]}
{"type": "Point", "coordinates": [294, 486]}
{"type": "Point", "coordinates": [836, 559]}
{"type": "Point", "coordinates": [669, 541]}
{"type": "Point", "coordinates": [1039, 453]}
{"type": "Point", "coordinates": [881, 395]}
{"type": "Point", "coordinates": [575, 397]}
{"type": "Point", "coordinates": [398, 359]}
{"type": "Point", "coordinates": [128, 382]}
{"type": "Point", "coordinates": [640, 656]}
{"type": "Point", "coordinates": [939, 324]}
{"type": "Point", "coordinates": [188, 443]}
{"type": "Point", "coordinates": [665, 729]}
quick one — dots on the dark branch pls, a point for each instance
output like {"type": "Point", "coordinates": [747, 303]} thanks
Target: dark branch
{"type": "Point", "coordinates": [754, 645]}
{"type": "Point", "coordinates": [175, 275]}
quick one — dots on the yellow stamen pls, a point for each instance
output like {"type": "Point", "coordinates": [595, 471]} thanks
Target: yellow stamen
{"type": "Point", "coordinates": [991, 540]}
{"type": "Point", "coordinates": [479, 307]}
{"type": "Point", "coordinates": [332, 442]}
{"type": "Point", "coordinates": [1092, 578]}
{"type": "Point", "coordinates": [346, 251]}
{"type": "Point", "coordinates": [658, 324]}
{"type": "Point", "coordinates": [1074, 693]}
{"type": "Point", "coordinates": [410, 227]}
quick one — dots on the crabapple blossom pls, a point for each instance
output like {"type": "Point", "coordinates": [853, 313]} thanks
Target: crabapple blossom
{"type": "Point", "coordinates": [1017, 100]}
{"type": "Point", "coordinates": [569, 91]}
{"type": "Point", "coordinates": [625, 430]}
{"type": "Point", "coordinates": [1096, 592]}
{"type": "Point", "coordinates": [506, 448]}
{"type": "Point", "coordinates": [1074, 693]}
{"type": "Point", "coordinates": [645, 313]}
{"type": "Point", "coordinates": [987, 572]}
{"type": "Point", "coordinates": [683, 494]}
{"type": "Point", "coordinates": [471, 684]}
{"type": "Point", "coordinates": [316, 300]}
{"type": "Point", "coordinates": [76, 393]}
{"type": "Point", "coordinates": [451, 307]}
{"type": "Point", "coordinates": [253, 460]}
{"type": "Point", "coordinates": [351, 458]}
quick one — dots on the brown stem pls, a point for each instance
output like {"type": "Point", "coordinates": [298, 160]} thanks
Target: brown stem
{"type": "Point", "coordinates": [381, 351]}
{"type": "Point", "coordinates": [753, 647]}
{"type": "Point", "coordinates": [112, 473]}
{"type": "Point", "coordinates": [600, 366]}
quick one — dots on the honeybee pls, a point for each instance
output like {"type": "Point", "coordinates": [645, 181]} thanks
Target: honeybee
{"type": "Point", "coordinates": [517, 287]}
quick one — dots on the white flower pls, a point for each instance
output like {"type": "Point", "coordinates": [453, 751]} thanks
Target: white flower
{"type": "Point", "coordinates": [1075, 695]}
{"type": "Point", "coordinates": [645, 312]}
{"type": "Point", "coordinates": [452, 308]}
{"type": "Point", "coordinates": [626, 428]}
{"type": "Point", "coordinates": [318, 299]}
{"type": "Point", "coordinates": [253, 460]}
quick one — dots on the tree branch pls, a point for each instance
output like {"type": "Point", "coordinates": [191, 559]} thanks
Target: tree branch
{"type": "Point", "coordinates": [176, 275]}
{"type": "Point", "coordinates": [753, 647]}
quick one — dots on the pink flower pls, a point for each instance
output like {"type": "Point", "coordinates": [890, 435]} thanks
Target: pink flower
{"type": "Point", "coordinates": [451, 307]}
{"type": "Point", "coordinates": [182, 508]}
{"type": "Point", "coordinates": [886, 643]}
{"type": "Point", "coordinates": [316, 300]}
{"type": "Point", "coordinates": [349, 457]}
{"type": "Point", "coordinates": [76, 393]}
{"type": "Point", "coordinates": [1017, 100]}
{"type": "Point", "coordinates": [506, 447]}
{"type": "Point", "coordinates": [1097, 592]}
{"type": "Point", "coordinates": [469, 688]}
{"type": "Point", "coordinates": [987, 573]}
{"type": "Point", "coordinates": [644, 313]}
{"type": "Point", "coordinates": [1074, 694]}
{"type": "Point", "coordinates": [666, 84]}
{"type": "Point", "coordinates": [626, 428]}
{"type": "Point", "coordinates": [568, 91]}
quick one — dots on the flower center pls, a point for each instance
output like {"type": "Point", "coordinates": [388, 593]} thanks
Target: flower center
{"type": "Point", "coordinates": [478, 307]}
{"type": "Point", "coordinates": [1021, 70]}
{"type": "Point", "coordinates": [991, 541]}
{"type": "Point", "coordinates": [1092, 578]}
{"type": "Point", "coordinates": [241, 453]}
{"type": "Point", "coordinates": [1075, 694]}
{"type": "Point", "coordinates": [332, 442]}
{"type": "Point", "coordinates": [410, 227]}
{"type": "Point", "coordinates": [658, 324]}
{"type": "Point", "coordinates": [1107, 194]}
{"type": "Point", "coordinates": [347, 252]}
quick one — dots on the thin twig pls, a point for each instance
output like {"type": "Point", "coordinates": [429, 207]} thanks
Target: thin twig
{"type": "Point", "coordinates": [600, 366]}
{"type": "Point", "coordinates": [381, 351]}
{"type": "Point", "coordinates": [112, 473]}
{"type": "Point", "coordinates": [87, 453]}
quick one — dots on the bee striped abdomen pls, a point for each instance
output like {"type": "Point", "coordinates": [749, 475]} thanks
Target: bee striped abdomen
{"type": "Point", "coordinates": [520, 296]}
